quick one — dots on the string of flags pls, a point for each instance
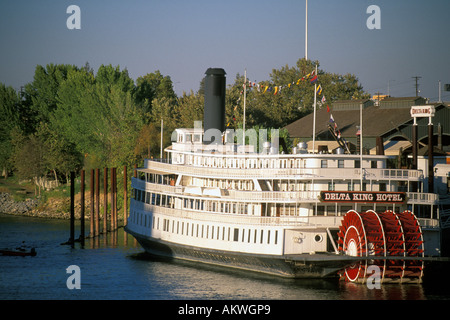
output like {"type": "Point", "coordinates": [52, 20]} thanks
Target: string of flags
{"type": "Point", "coordinates": [311, 77]}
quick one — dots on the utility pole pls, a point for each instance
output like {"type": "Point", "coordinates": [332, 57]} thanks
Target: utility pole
{"type": "Point", "coordinates": [417, 85]}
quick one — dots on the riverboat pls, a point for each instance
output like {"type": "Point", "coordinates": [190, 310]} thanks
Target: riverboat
{"type": "Point", "coordinates": [298, 214]}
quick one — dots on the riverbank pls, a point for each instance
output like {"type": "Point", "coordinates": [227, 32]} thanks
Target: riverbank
{"type": "Point", "coordinates": [53, 208]}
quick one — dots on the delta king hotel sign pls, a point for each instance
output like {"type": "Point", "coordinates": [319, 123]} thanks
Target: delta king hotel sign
{"type": "Point", "coordinates": [363, 197]}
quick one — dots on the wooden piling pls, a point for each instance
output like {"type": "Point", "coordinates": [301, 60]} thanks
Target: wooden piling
{"type": "Point", "coordinates": [72, 208]}
{"type": "Point", "coordinates": [92, 205]}
{"type": "Point", "coordinates": [82, 200]}
{"type": "Point", "coordinates": [125, 195]}
{"type": "Point", "coordinates": [115, 198]}
{"type": "Point", "coordinates": [105, 200]}
{"type": "Point", "coordinates": [97, 202]}
{"type": "Point", "coordinates": [112, 199]}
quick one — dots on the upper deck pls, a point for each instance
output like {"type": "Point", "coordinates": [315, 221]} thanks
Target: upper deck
{"type": "Point", "coordinates": [190, 156]}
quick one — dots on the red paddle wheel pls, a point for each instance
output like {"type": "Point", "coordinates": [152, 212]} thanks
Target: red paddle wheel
{"type": "Point", "coordinates": [381, 236]}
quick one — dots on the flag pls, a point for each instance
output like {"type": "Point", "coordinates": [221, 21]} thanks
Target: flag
{"type": "Point", "coordinates": [323, 99]}
{"type": "Point", "coordinates": [331, 118]}
{"type": "Point", "coordinates": [313, 79]}
{"type": "Point", "coordinates": [319, 90]}
{"type": "Point", "coordinates": [276, 91]}
{"type": "Point", "coordinates": [328, 108]}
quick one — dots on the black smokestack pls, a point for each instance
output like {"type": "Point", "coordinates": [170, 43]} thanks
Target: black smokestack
{"type": "Point", "coordinates": [214, 111]}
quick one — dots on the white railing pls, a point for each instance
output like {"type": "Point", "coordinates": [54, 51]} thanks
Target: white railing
{"type": "Point", "coordinates": [292, 173]}
{"type": "Point", "coordinates": [269, 196]}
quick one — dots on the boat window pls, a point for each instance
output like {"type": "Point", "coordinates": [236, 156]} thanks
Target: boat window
{"type": "Point", "coordinates": [331, 186]}
{"type": "Point", "coordinates": [340, 163]}
{"type": "Point", "coordinates": [323, 164]}
{"type": "Point", "coordinates": [320, 210]}
{"type": "Point", "coordinates": [236, 234]}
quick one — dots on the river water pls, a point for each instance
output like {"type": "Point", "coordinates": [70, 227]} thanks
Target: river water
{"type": "Point", "coordinates": [115, 267]}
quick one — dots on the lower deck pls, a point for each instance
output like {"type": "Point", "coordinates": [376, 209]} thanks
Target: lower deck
{"type": "Point", "coordinates": [247, 234]}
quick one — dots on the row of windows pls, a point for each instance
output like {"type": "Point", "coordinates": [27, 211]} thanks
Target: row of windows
{"type": "Point", "coordinates": [265, 163]}
{"type": "Point", "coordinates": [206, 231]}
{"type": "Point", "coordinates": [356, 164]}
{"type": "Point", "coordinates": [351, 186]}
{"type": "Point", "coordinates": [191, 204]}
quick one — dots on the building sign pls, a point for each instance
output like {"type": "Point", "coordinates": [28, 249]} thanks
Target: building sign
{"type": "Point", "coordinates": [362, 196]}
{"type": "Point", "coordinates": [422, 111]}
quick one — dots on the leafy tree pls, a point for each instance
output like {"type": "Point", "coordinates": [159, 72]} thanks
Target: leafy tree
{"type": "Point", "coordinates": [28, 155]}
{"type": "Point", "coordinates": [153, 86]}
{"type": "Point", "coordinates": [41, 94]}
{"type": "Point", "coordinates": [9, 103]}
{"type": "Point", "coordinates": [60, 156]}
{"type": "Point", "coordinates": [98, 115]}
{"type": "Point", "coordinates": [188, 109]}
{"type": "Point", "coordinates": [296, 98]}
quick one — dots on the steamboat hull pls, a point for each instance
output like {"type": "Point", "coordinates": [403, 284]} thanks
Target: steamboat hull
{"type": "Point", "coordinates": [286, 266]}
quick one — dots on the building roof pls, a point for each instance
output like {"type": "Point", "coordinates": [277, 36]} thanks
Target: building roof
{"type": "Point", "coordinates": [393, 147]}
{"type": "Point", "coordinates": [376, 121]}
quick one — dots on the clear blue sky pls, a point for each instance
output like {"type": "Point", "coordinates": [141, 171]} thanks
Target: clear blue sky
{"type": "Point", "coordinates": [183, 38]}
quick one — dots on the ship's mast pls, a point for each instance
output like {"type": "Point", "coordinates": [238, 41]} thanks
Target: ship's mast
{"type": "Point", "coordinates": [314, 120]}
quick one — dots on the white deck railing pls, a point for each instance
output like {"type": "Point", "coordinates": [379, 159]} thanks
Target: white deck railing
{"type": "Point", "coordinates": [267, 196]}
{"type": "Point", "coordinates": [291, 173]}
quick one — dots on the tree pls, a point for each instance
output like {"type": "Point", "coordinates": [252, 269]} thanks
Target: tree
{"type": "Point", "coordinates": [98, 115]}
{"type": "Point", "coordinates": [296, 98]}
{"type": "Point", "coordinates": [28, 155]}
{"type": "Point", "coordinates": [9, 103]}
{"type": "Point", "coordinates": [153, 86]}
{"type": "Point", "coordinates": [61, 157]}
{"type": "Point", "coordinates": [41, 94]}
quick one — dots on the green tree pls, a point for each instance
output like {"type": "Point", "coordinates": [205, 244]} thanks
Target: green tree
{"type": "Point", "coordinates": [9, 106]}
{"type": "Point", "coordinates": [28, 156]}
{"type": "Point", "coordinates": [296, 98]}
{"type": "Point", "coordinates": [61, 157]}
{"type": "Point", "coordinates": [40, 96]}
{"type": "Point", "coordinates": [153, 86]}
{"type": "Point", "coordinates": [98, 115]}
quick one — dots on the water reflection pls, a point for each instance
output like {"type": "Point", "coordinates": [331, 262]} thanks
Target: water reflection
{"type": "Point", "coordinates": [114, 266]}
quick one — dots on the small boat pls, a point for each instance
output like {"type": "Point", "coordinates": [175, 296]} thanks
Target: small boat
{"type": "Point", "coordinates": [18, 252]}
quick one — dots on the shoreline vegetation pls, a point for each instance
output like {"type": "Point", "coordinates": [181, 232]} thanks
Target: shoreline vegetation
{"type": "Point", "coordinates": [19, 199]}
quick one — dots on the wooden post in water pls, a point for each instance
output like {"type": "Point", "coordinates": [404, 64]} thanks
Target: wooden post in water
{"type": "Point", "coordinates": [105, 200]}
{"type": "Point", "coordinates": [72, 208]}
{"type": "Point", "coordinates": [115, 198]}
{"type": "Point", "coordinates": [112, 199]}
{"type": "Point", "coordinates": [82, 200]}
{"type": "Point", "coordinates": [97, 204]}
{"type": "Point", "coordinates": [125, 195]}
{"type": "Point", "coordinates": [92, 204]}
